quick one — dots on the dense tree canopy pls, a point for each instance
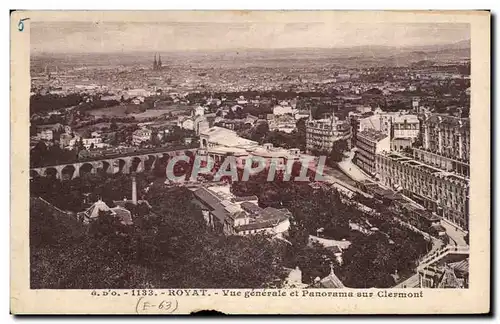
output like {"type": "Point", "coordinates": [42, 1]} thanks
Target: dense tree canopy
{"type": "Point", "coordinates": [44, 103]}
{"type": "Point", "coordinates": [168, 248]}
{"type": "Point", "coordinates": [41, 155]}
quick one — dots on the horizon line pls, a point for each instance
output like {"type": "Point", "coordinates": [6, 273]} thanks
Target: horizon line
{"type": "Point", "coordinates": [236, 49]}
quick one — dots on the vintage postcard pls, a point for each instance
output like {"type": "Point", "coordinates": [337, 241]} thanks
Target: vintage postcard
{"type": "Point", "coordinates": [250, 162]}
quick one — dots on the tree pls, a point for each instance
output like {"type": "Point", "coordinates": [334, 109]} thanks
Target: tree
{"type": "Point", "coordinates": [80, 146]}
{"type": "Point", "coordinates": [38, 154]}
{"type": "Point", "coordinates": [337, 152]}
{"type": "Point", "coordinates": [83, 154]}
{"type": "Point", "coordinates": [260, 131]}
{"type": "Point", "coordinates": [298, 236]}
{"type": "Point", "coordinates": [301, 125]}
{"type": "Point", "coordinates": [374, 91]}
{"type": "Point", "coordinates": [314, 261]}
{"type": "Point", "coordinates": [230, 114]}
{"type": "Point", "coordinates": [270, 198]}
{"type": "Point", "coordinates": [154, 140]}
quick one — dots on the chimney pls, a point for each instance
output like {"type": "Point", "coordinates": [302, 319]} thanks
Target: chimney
{"type": "Point", "coordinates": [134, 190]}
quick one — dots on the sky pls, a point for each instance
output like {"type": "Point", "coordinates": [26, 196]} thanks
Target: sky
{"type": "Point", "coordinates": [88, 37]}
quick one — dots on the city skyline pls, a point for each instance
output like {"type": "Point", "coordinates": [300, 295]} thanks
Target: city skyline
{"type": "Point", "coordinates": [100, 37]}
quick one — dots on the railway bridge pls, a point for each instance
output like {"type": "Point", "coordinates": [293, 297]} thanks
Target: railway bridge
{"type": "Point", "coordinates": [126, 163]}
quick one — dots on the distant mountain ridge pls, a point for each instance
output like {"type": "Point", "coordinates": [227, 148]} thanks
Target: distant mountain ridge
{"type": "Point", "coordinates": [348, 56]}
{"type": "Point", "coordinates": [465, 44]}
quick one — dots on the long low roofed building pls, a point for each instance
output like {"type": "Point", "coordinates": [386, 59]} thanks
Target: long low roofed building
{"type": "Point", "coordinates": [235, 216]}
{"type": "Point", "coordinates": [219, 143]}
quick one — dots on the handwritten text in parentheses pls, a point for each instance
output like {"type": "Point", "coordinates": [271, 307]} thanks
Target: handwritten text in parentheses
{"type": "Point", "coordinates": [151, 305]}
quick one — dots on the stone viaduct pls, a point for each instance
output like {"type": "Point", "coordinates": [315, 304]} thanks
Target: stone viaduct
{"type": "Point", "coordinates": [111, 165]}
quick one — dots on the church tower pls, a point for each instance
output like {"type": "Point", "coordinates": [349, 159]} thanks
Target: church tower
{"type": "Point", "coordinates": [155, 64]}
{"type": "Point", "coordinates": [159, 62]}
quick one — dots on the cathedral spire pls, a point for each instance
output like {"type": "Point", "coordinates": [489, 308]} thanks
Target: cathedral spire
{"type": "Point", "coordinates": [155, 64]}
{"type": "Point", "coordinates": [159, 61]}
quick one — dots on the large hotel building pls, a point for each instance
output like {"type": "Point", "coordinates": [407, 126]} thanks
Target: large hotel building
{"type": "Point", "coordinates": [446, 143]}
{"type": "Point", "coordinates": [445, 193]}
{"type": "Point", "coordinates": [437, 175]}
{"type": "Point", "coordinates": [322, 133]}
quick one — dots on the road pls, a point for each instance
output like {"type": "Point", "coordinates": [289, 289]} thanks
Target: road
{"type": "Point", "coordinates": [337, 174]}
{"type": "Point", "coordinates": [352, 169]}
{"type": "Point", "coordinates": [456, 236]}
{"type": "Point", "coordinates": [327, 242]}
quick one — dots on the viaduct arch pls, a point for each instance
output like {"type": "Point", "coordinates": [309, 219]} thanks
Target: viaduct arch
{"type": "Point", "coordinates": [125, 165]}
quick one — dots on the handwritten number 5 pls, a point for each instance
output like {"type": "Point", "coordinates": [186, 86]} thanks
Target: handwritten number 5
{"type": "Point", "coordinates": [20, 26]}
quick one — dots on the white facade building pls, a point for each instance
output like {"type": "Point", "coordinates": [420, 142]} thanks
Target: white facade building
{"type": "Point", "coordinates": [141, 135]}
{"type": "Point", "coordinates": [282, 110]}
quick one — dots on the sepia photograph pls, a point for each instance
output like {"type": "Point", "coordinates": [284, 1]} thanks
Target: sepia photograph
{"type": "Point", "coordinates": [223, 151]}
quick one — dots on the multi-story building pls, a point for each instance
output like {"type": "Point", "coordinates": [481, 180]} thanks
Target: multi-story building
{"type": "Point", "coordinates": [282, 110]}
{"type": "Point", "coordinates": [447, 135]}
{"type": "Point", "coordinates": [398, 124]}
{"type": "Point", "coordinates": [405, 126]}
{"type": "Point", "coordinates": [282, 123]}
{"type": "Point", "coordinates": [442, 192]}
{"type": "Point", "coordinates": [50, 132]}
{"type": "Point", "coordinates": [141, 135]}
{"type": "Point", "coordinates": [322, 133]}
{"type": "Point", "coordinates": [380, 122]}
{"type": "Point", "coordinates": [186, 122]}
{"type": "Point", "coordinates": [46, 134]}
{"type": "Point", "coordinates": [446, 143]}
{"type": "Point", "coordinates": [369, 143]}
{"type": "Point", "coordinates": [94, 142]}
{"type": "Point", "coordinates": [403, 129]}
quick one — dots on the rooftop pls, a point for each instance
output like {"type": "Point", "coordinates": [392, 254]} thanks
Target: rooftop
{"type": "Point", "coordinates": [225, 137]}
{"type": "Point", "coordinates": [461, 266]}
{"type": "Point", "coordinates": [448, 120]}
{"type": "Point", "coordinates": [331, 281]}
{"type": "Point", "coordinates": [208, 197]}
{"type": "Point", "coordinates": [395, 156]}
{"type": "Point", "coordinates": [250, 207]}
{"type": "Point", "coordinates": [50, 127]}
{"type": "Point", "coordinates": [99, 206]}
{"type": "Point", "coordinates": [372, 134]}
{"type": "Point", "coordinates": [405, 119]}
{"type": "Point", "coordinates": [246, 198]}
